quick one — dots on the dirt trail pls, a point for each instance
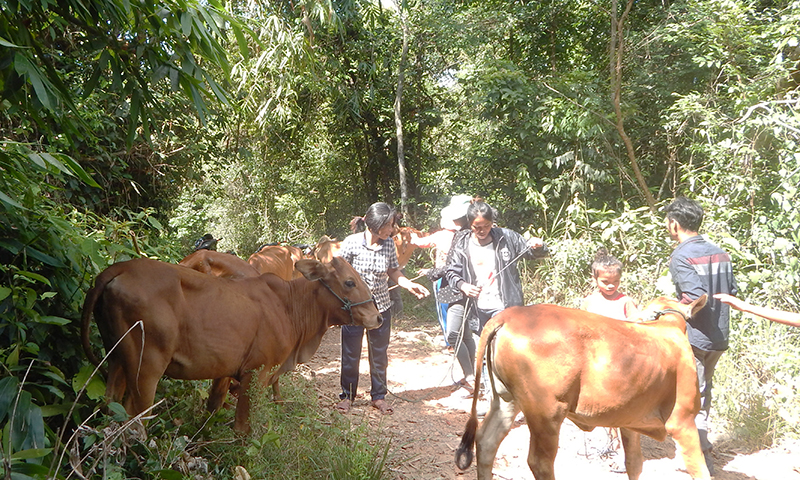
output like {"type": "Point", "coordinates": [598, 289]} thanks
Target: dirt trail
{"type": "Point", "coordinates": [430, 413]}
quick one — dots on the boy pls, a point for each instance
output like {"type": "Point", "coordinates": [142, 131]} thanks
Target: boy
{"type": "Point", "coordinates": [699, 267]}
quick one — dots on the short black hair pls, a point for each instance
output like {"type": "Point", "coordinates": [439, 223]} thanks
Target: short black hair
{"type": "Point", "coordinates": [605, 261]}
{"type": "Point", "coordinates": [687, 212]}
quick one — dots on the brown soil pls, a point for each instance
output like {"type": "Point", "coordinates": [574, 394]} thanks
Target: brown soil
{"type": "Point", "coordinates": [430, 412]}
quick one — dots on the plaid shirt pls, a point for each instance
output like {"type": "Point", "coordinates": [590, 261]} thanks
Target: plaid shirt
{"type": "Point", "coordinates": [372, 264]}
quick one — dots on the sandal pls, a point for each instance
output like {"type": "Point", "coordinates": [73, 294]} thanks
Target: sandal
{"type": "Point", "coordinates": [616, 467]}
{"type": "Point", "coordinates": [466, 385]}
{"type": "Point", "coordinates": [343, 407]}
{"type": "Point", "coordinates": [384, 407]}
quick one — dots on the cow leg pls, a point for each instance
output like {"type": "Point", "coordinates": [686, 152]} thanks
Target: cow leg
{"type": "Point", "coordinates": [276, 392]}
{"type": "Point", "coordinates": [544, 443]}
{"type": "Point", "coordinates": [142, 390]}
{"type": "Point", "coordinates": [115, 383]}
{"type": "Point", "coordinates": [684, 432]}
{"type": "Point", "coordinates": [242, 417]}
{"type": "Point", "coordinates": [491, 433]}
{"type": "Point", "coordinates": [217, 393]}
{"type": "Point", "coordinates": [632, 445]}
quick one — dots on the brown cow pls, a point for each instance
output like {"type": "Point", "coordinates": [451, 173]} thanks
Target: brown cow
{"type": "Point", "coordinates": [277, 259]}
{"type": "Point", "coordinates": [553, 362]}
{"type": "Point", "coordinates": [195, 326]}
{"type": "Point", "coordinates": [225, 265]}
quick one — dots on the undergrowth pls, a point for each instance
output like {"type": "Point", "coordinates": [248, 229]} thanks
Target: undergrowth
{"type": "Point", "coordinates": [292, 440]}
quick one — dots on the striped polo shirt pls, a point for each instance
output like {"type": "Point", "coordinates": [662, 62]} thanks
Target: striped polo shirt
{"type": "Point", "coordinates": [698, 266]}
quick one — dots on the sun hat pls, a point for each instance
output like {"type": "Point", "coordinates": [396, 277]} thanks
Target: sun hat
{"type": "Point", "coordinates": [457, 209]}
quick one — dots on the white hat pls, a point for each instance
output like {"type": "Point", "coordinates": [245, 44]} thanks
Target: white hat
{"type": "Point", "coordinates": [457, 209]}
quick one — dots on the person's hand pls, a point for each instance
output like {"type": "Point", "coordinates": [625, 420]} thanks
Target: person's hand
{"type": "Point", "coordinates": [470, 290]}
{"type": "Point", "coordinates": [729, 300]}
{"type": "Point", "coordinates": [535, 242]}
{"type": "Point", "coordinates": [423, 271]}
{"type": "Point", "coordinates": [418, 290]}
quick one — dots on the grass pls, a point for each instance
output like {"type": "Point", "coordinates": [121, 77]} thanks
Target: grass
{"type": "Point", "coordinates": [295, 440]}
{"type": "Point", "coordinates": [757, 383]}
{"type": "Point", "coordinates": [298, 440]}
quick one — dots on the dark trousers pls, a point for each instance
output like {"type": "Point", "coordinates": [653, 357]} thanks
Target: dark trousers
{"type": "Point", "coordinates": [378, 347]}
{"type": "Point", "coordinates": [706, 363]}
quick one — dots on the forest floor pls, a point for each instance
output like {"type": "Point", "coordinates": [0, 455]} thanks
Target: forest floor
{"type": "Point", "coordinates": [430, 412]}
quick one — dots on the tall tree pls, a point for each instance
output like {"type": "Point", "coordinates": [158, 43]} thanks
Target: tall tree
{"type": "Point", "coordinates": [617, 54]}
{"type": "Point", "coordinates": [398, 114]}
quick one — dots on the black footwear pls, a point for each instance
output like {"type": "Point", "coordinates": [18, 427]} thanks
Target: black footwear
{"type": "Point", "coordinates": [709, 462]}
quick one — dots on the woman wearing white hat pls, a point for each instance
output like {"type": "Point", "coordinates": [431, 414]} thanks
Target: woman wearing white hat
{"type": "Point", "coordinates": [450, 302]}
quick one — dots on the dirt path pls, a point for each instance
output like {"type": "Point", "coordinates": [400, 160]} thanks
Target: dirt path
{"type": "Point", "coordinates": [430, 414]}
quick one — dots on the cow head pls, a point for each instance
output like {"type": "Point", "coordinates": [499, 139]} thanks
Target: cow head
{"type": "Point", "coordinates": [346, 285]}
{"type": "Point", "coordinates": [326, 249]}
{"type": "Point", "coordinates": [402, 242]}
{"type": "Point", "coordinates": [664, 305]}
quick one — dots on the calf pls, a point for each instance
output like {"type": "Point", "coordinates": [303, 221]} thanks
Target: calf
{"type": "Point", "coordinates": [553, 363]}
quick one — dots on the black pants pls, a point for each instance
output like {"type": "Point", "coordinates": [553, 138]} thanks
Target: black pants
{"type": "Point", "coordinates": [378, 346]}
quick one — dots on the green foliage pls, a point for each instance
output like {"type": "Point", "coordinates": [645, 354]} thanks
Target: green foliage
{"type": "Point", "coordinates": [135, 44]}
{"type": "Point", "coordinates": [759, 400]}
{"type": "Point", "coordinates": [50, 253]}
{"type": "Point", "coordinates": [299, 440]}
{"type": "Point", "coordinates": [635, 236]}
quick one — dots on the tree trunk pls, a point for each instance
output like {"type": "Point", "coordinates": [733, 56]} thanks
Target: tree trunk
{"type": "Point", "coordinates": [398, 120]}
{"type": "Point", "coordinates": [616, 50]}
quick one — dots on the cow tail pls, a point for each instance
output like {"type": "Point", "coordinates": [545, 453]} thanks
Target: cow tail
{"type": "Point", "coordinates": [86, 316]}
{"type": "Point", "coordinates": [464, 453]}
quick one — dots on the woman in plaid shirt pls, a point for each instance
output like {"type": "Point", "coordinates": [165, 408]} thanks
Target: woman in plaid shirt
{"type": "Point", "coordinates": [372, 254]}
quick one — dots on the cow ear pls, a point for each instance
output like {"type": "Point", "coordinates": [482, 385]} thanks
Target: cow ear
{"type": "Point", "coordinates": [698, 304]}
{"type": "Point", "coordinates": [312, 269]}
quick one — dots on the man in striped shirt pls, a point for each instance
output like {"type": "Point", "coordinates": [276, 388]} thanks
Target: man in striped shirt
{"type": "Point", "coordinates": [699, 267]}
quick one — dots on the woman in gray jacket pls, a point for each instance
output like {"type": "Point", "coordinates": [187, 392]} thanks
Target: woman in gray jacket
{"type": "Point", "coordinates": [483, 264]}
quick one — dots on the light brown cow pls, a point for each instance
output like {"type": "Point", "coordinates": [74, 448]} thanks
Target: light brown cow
{"type": "Point", "coordinates": [402, 242]}
{"type": "Point", "coordinates": [552, 363]}
{"type": "Point", "coordinates": [225, 265]}
{"type": "Point", "coordinates": [277, 259]}
{"type": "Point", "coordinates": [197, 326]}
{"type": "Point", "coordinates": [327, 248]}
